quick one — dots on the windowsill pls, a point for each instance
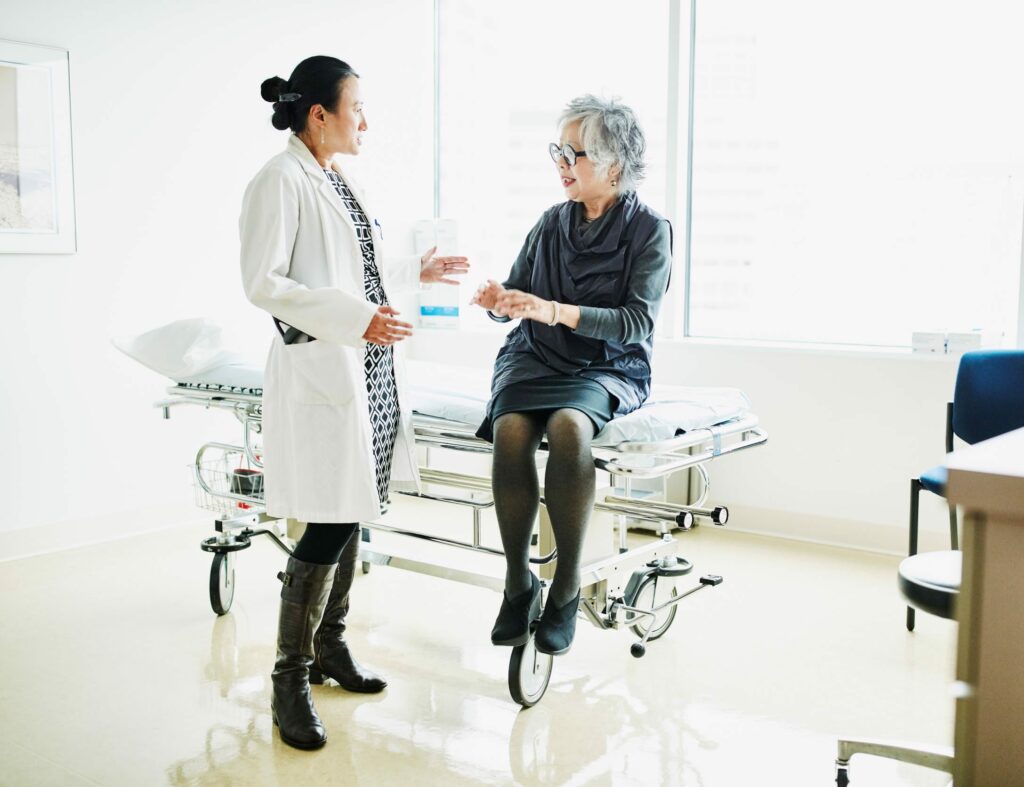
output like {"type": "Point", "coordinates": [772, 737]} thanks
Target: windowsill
{"type": "Point", "coordinates": [866, 352]}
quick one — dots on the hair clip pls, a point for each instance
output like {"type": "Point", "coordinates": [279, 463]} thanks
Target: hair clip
{"type": "Point", "coordinates": [289, 97]}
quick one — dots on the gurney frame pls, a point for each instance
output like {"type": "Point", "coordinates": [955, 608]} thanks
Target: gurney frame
{"type": "Point", "coordinates": [635, 588]}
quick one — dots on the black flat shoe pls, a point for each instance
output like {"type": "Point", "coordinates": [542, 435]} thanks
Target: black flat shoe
{"type": "Point", "coordinates": [557, 628]}
{"type": "Point", "coordinates": [512, 626]}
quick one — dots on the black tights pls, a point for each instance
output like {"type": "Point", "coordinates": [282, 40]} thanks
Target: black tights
{"type": "Point", "coordinates": [323, 543]}
{"type": "Point", "coordinates": [568, 493]}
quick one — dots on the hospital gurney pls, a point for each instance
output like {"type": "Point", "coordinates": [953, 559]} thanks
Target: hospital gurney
{"type": "Point", "coordinates": [677, 429]}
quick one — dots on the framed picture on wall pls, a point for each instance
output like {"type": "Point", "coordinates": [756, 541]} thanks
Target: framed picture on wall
{"type": "Point", "coordinates": [37, 195]}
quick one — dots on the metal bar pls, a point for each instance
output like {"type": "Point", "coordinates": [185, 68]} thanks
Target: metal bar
{"type": "Point", "coordinates": [668, 508]}
{"type": "Point", "coordinates": [462, 501]}
{"type": "Point", "coordinates": [452, 542]}
{"type": "Point", "coordinates": [476, 527]}
{"type": "Point", "coordinates": [432, 569]}
{"type": "Point", "coordinates": [655, 610]}
{"type": "Point", "coordinates": [636, 513]}
{"type": "Point", "coordinates": [250, 454]}
{"type": "Point", "coordinates": [615, 467]}
{"type": "Point", "coordinates": [449, 478]}
{"type": "Point", "coordinates": [670, 305]}
{"type": "Point", "coordinates": [437, 109]}
{"type": "Point", "coordinates": [688, 258]}
{"type": "Point", "coordinates": [627, 486]}
{"type": "Point", "coordinates": [690, 439]}
{"type": "Point", "coordinates": [594, 616]}
{"type": "Point", "coordinates": [273, 536]}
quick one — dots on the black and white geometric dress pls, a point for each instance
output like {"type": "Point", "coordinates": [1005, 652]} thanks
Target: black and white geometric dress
{"type": "Point", "coordinates": [379, 361]}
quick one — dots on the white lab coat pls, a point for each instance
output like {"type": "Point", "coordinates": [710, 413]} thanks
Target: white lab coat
{"type": "Point", "coordinates": [301, 262]}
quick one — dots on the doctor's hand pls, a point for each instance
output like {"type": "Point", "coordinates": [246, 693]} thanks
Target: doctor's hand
{"type": "Point", "coordinates": [487, 295]}
{"type": "Point", "coordinates": [385, 329]}
{"type": "Point", "coordinates": [438, 269]}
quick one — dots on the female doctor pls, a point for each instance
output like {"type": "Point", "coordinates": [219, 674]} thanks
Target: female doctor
{"type": "Point", "coordinates": [336, 421]}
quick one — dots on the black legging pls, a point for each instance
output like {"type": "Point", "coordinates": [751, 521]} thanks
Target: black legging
{"type": "Point", "coordinates": [568, 493]}
{"type": "Point", "coordinates": [323, 542]}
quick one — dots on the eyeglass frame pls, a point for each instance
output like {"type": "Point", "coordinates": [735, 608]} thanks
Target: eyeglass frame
{"type": "Point", "coordinates": [557, 151]}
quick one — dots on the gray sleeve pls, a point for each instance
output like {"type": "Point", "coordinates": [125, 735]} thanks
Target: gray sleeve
{"type": "Point", "coordinates": [634, 320]}
{"type": "Point", "coordinates": [522, 268]}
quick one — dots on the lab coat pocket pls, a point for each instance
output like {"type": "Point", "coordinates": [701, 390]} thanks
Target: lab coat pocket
{"type": "Point", "coordinates": [321, 373]}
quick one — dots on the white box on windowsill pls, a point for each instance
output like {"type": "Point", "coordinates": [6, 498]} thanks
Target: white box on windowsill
{"type": "Point", "coordinates": [928, 342]}
{"type": "Point", "coordinates": [439, 303]}
{"type": "Point", "coordinates": [965, 341]}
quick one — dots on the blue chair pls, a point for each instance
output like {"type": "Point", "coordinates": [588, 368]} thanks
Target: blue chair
{"type": "Point", "coordinates": [988, 401]}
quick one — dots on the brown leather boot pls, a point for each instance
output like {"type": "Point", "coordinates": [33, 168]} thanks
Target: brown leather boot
{"type": "Point", "coordinates": [305, 591]}
{"type": "Point", "coordinates": [332, 657]}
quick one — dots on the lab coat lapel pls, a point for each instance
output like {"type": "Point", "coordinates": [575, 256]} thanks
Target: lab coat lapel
{"type": "Point", "coordinates": [312, 168]}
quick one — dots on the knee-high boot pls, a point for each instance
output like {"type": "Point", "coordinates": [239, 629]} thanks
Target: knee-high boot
{"type": "Point", "coordinates": [305, 591]}
{"type": "Point", "coordinates": [332, 657]}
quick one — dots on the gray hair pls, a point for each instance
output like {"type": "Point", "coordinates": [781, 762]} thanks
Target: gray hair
{"type": "Point", "coordinates": [611, 135]}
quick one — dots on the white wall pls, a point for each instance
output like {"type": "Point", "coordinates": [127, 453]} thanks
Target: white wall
{"type": "Point", "coordinates": [847, 431]}
{"type": "Point", "coordinates": [168, 128]}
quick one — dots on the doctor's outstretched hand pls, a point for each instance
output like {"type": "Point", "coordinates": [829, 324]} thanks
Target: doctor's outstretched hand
{"type": "Point", "coordinates": [438, 269]}
{"type": "Point", "coordinates": [385, 329]}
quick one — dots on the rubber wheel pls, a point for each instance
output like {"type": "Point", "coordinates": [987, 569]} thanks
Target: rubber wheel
{"type": "Point", "coordinates": [653, 591]}
{"type": "Point", "coordinates": [222, 582]}
{"type": "Point", "coordinates": [529, 672]}
{"type": "Point", "coordinates": [842, 777]}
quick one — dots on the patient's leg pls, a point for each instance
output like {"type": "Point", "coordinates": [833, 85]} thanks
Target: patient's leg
{"type": "Point", "coordinates": [569, 495]}
{"type": "Point", "coordinates": [516, 494]}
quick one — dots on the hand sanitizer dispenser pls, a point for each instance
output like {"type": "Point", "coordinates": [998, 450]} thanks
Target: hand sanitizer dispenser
{"type": "Point", "coordinates": [439, 303]}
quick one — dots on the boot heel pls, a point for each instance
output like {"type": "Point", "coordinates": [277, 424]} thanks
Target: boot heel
{"type": "Point", "coordinates": [316, 677]}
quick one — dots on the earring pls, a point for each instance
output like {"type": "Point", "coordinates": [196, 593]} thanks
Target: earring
{"type": "Point", "coordinates": [615, 183]}
{"type": "Point", "coordinates": [321, 135]}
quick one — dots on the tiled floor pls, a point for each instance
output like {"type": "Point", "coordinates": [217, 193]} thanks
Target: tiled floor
{"type": "Point", "coordinates": [116, 672]}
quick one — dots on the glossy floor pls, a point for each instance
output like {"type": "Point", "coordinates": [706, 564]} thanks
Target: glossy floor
{"type": "Point", "coordinates": [114, 671]}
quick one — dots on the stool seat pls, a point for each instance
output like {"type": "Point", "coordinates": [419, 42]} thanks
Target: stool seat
{"type": "Point", "coordinates": [931, 581]}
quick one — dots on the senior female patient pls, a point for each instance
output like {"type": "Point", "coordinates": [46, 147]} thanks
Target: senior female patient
{"type": "Point", "coordinates": [336, 428]}
{"type": "Point", "coordinates": [587, 285]}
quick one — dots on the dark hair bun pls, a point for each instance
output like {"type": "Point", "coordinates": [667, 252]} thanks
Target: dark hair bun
{"type": "Point", "coordinates": [272, 88]}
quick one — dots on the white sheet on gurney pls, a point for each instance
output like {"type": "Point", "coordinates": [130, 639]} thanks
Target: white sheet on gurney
{"type": "Point", "coordinates": [193, 352]}
{"type": "Point", "coordinates": [459, 393]}
{"type": "Point", "coordinates": [190, 351]}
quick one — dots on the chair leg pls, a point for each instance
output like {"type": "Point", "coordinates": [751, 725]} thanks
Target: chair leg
{"type": "Point", "coordinates": [954, 539]}
{"type": "Point", "coordinates": [915, 495]}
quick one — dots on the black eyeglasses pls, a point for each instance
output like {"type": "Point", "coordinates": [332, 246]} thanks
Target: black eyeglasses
{"type": "Point", "coordinates": [566, 151]}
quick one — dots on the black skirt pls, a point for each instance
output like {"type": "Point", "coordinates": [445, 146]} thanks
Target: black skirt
{"type": "Point", "coordinates": [543, 395]}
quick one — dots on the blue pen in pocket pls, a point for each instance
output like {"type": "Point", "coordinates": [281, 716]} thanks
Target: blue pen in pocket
{"type": "Point", "coordinates": [380, 232]}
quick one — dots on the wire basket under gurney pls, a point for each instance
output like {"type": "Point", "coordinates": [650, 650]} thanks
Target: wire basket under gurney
{"type": "Point", "coordinates": [227, 483]}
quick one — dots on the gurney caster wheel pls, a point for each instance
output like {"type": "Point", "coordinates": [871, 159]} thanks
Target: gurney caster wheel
{"type": "Point", "coordinates": [529, 672]}
{"type": "Point", "coordinates": [842, 776]}
{"type": "Point", "coordinates": [719, 515]}
{"type": "Point", "coordinates": [650, 593]}
{"type": "Point", "coordinates": [222, 582]}
{"type": "Point", "coordinates": [637, 650]}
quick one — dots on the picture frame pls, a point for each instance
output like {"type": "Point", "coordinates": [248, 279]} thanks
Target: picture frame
{"type": "Point", "coordinates": [37, 194]}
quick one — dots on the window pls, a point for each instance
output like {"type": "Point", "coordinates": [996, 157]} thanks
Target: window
{"type": "Point", "coordinates": [858, 169]}
{"type": "Point", "coordinates": [506, 72]}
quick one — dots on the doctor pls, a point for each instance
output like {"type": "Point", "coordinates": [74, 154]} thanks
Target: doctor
{"type": "Point", "coordinates": [337, 430]}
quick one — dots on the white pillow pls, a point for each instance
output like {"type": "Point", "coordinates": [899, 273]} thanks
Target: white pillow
{"type": "Point", "coordinates": [181, 350]}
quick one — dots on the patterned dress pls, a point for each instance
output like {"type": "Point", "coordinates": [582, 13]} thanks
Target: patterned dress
{"type": "Point", "coordinates": [379, 361]}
